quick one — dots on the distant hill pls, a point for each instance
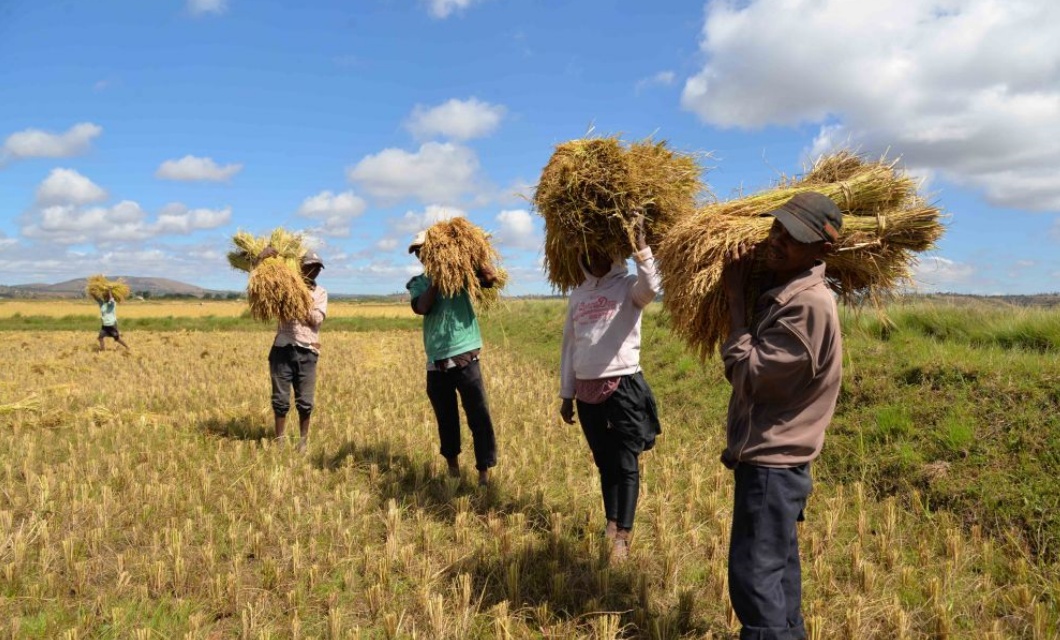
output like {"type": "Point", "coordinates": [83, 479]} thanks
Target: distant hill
{"type": "Point", "coordinates": [76, 288]}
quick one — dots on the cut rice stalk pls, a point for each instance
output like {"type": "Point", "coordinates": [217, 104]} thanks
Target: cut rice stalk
{"type": "Point", "coordinates": [591, 190]}
{"type": "Point", "coordinates": [885, 224]}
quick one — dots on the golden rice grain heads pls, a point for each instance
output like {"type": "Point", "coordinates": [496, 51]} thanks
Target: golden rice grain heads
{"type": "Point", "coordinates": [588, 193]}
{"type": "Point", "coordinates": [885, 223]}
{"type": "Point", "coordinates": [489, 297]}
{"type": "Point", "coordinates": [98, 286]}
{"type": "Point", "coordinates": [453, 253]}
{"type": "Point", "coordinates": [275, 291]}
{"type": "Point", "coordinates": [247, 247]}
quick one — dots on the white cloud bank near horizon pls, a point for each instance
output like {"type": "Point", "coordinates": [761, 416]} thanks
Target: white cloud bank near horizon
{"type": "Point", "coordinates": [967, 88]}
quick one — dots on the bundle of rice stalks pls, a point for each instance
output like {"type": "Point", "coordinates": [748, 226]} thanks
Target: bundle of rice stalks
{"type": "Point", "coordinates": [98, 286]}
{"type": "Point", "coordinates": [453, 253]}
{"type": "Point", "coordinates": [31, 403]}
{"type": "Point", "coordinates": [248, 247]}
{"type": "Point", "coordinates": [275, 291]}
{"type": "Point", "coordinates": [590, 189]}
{"type": "Point", "coordinates": [885, 223]}
{"type": "Point", "coordinates": [488, 298]}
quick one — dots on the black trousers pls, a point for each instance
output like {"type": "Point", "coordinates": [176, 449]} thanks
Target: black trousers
{"type": "Point", "coordinates": [618, 430]}
{"type": "Point", "coordinates": [765, 576]}
{"type": "Point", "coordinates": [293, 366]}
{"type": "Point", "coordinates": [442, 389]}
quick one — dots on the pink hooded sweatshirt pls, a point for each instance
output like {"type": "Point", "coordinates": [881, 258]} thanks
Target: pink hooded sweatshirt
{"type": "Point", "coordinates": [601, 338]}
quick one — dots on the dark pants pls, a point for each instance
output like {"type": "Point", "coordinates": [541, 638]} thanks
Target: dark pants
{"type": "Point", "coordinates": [442, 389]}
{"type": "Point", "coordinates": [295, 366]}
{"type": "Point", "coordinates": [765, 577]}
{"type": "Point", "coordinates": [618, 430]}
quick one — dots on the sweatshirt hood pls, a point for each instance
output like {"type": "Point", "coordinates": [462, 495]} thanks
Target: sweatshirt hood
{"type": "Point", "coordinates": [618, 268]}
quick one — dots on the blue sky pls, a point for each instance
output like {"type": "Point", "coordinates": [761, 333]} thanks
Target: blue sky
{"type": "Point", "coordinates": [136, 137]}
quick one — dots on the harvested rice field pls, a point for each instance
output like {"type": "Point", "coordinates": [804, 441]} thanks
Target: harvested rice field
{"type": "Point", "coordinates": [143, 495]}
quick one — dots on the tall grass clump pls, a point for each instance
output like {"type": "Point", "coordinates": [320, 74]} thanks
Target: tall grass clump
{"type": "Point", "coordinates": [886, 223]}
{"type": "Point", "coordinates": [275, 288]}
{"type": "Point", "coordinates": [591, 188]}
{"type": "Point", "coordinates": [454, 253]}
{"type": "Point", "coordinates": [98, 287]}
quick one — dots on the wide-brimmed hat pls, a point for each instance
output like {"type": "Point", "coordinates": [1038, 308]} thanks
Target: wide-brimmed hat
{"type": "Point", "coordinates": [810, 217]}
{"type": "Point", "coordinates": [418, 241]}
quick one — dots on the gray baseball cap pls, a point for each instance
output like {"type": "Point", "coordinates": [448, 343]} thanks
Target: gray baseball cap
{"type": "Point", "coordinates": [810, 217]}
{"type": "Point", "coordinates": [311, 258]}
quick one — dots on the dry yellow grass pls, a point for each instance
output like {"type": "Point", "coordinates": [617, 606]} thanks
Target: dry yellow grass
{"type": "Point", "coordinates": [886, 222]}
{"type": "Point", "coordinates": [189, 309]}
{"type": "Point", "coordinates": [454, 252]}
{"type": "Point", "coordinates": [143, 499]}
{"type": "Point", "coordinates": [98, 286]}
{"type": "Point", "coordinates": [591, 187]}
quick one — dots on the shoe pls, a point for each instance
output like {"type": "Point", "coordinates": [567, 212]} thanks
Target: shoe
{"type": "Point", "coordinates": [483, 477]}
{"type": "Point", "coordinates": [620, 547]}
{"type": "Point", "coordinates": [610, 530]}
{"type": "Point", "coordinates": [454, 467]}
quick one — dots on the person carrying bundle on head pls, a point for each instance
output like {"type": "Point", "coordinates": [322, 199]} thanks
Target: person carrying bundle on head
{"type": "Point", "coordinates": [108, 313]}
{"type": "Point", "coordinates": [295, 352]}
{"type": "Point", "coordinates": [452, 341]}
{"type": "Point", "coordinates": [785, 366]}
{"type": "Point", "coordinates": [600, 372]}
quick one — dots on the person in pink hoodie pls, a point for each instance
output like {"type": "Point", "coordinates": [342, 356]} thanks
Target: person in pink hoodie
{"type": "Point", "coordinates": [600, 373]}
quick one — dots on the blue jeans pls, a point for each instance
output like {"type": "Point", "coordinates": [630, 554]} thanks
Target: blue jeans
{"type": "Point", "coordinates": [765, 577]}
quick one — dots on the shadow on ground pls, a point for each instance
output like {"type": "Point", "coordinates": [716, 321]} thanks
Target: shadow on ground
{"type": "Point", "coordinates": [245, 427]}
{"type": "Point", "coordinates": [550, 572]}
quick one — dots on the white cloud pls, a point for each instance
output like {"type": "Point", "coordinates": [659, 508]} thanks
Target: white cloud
{"type": "Point", "coordinates": [970, 88]}
{"type": "Point", "coordinates": [124, 222]}
{"type": "Point", "coordinates": [415, 221]}
{"type": "Point", "coordinates": [192, 168]}
{"type": "Point", "coordinates": [66, 186]}
{"type": "Point", "coordinates": [660, 79]}
{"type": "Point", "coordinates": [456, 119]}
{"type": "Point", "coordinates": [442, 9]}
{"type": "Point", "coordinates": [387, 244]}
{"type": "Point", "coordinates": [935, 273]}
{"type": "Point", "coordinates": [517, 230]}
{"type": "Point", "coordinates": [333, 210]}
{"type": "Point", "coordinates": [34, 143]}
{"type": "Point", "coordinates": [200, 7]}
{"type": "Point", "coordinates": [437, 172]}
{"type": "Point", "coordinates": [176, 218]}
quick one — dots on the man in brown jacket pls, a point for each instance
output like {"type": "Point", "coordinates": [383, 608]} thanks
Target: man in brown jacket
{"type": "Point", "coordinates": [785, 367]}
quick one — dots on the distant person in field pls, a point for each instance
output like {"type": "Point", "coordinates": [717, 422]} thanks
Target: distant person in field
{"type": "Point", "coordinates": [452, 341]}
{"type": "Point", "coordinates": [600, 372]}
{"type": "Point", "coordinates": [108, 313]}
{"type": "Point", "coordinates": [294, 354]}
{"type": "Point", "coordinates": [785, 365]}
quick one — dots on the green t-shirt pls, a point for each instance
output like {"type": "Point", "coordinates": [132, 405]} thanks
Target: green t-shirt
{"type": "Point", "coordinates": [108, 313]}
{"type": "Point", "coordinates": [450, 327]}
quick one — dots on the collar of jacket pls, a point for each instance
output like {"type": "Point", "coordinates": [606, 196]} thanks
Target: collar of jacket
{"type": "Point", "coordinates": [800, 283]}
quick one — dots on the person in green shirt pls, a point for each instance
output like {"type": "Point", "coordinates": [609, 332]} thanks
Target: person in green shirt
{"type": "Point", "coordinates": [108, 313]}
{"type": "Point", "coordinates": [452, 341]}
